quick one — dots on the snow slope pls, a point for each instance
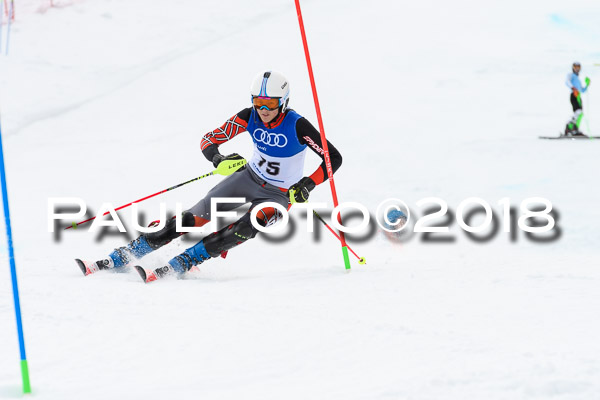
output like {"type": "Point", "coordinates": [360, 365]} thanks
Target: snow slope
{"type": "Point", "coordinates": [107, 101]}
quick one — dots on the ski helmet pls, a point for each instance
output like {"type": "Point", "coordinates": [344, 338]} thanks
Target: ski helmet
{"type": "Point", "coordinates": [271, 84]}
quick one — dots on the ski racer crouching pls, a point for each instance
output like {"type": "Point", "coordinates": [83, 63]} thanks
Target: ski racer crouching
{"type": "Point", "coordinates": [274, 174]}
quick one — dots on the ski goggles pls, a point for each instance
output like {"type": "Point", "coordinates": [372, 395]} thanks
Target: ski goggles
{"type": "Point", "coordinates": [269, 103]}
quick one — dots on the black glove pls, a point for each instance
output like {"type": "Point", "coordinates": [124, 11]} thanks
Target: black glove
{"type": "Point", "coordinates": [217, 158]}
{"type": "Point", "coordinates": [300, 191]}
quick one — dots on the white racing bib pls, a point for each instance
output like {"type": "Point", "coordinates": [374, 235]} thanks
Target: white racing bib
{"type": "Point", "coordinates": [279, 171]}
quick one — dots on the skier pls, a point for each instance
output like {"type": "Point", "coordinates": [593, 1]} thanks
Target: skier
{"type": "Point", "coordinates": [274, 174]}
{"type": "Point", "coordinates": [573, 82]}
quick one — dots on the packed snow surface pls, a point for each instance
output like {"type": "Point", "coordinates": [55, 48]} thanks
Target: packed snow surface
{"type": "Point", "coordinates": [107, 101]}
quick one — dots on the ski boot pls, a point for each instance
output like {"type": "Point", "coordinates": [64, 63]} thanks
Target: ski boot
{"type": "Point", "coordinates": [137, 248]}
{"type": "Point", "coordinates": [119, 258]}
{"type": "Point", "coordinates": [178, 265]}
{"type": "Point", "coordinates": [571, 129]}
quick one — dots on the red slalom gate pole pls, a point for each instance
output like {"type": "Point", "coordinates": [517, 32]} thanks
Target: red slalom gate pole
{"type": "Point", "coordinates": [322, 130]}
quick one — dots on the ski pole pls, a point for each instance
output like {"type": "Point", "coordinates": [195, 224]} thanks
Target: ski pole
{"type": "Point", "coordinates": [226, 167]}
{"type": "Point", "coordinates": [361, 260]}
{"type": "Point", "coordinates": [587, 120]}
{"type": "Point", "coordinates": [583, 115]}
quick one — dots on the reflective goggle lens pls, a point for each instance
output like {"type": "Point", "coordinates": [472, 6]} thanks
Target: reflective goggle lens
{"type": "Point", "coordinates": [269, 103]}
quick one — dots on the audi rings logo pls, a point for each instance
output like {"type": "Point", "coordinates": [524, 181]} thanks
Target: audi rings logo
{"type": "Point", "coordinates": [270, 139]}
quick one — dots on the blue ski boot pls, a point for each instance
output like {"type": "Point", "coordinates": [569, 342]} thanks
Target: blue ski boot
{"type": "Point", "coordinates": [177, 265]}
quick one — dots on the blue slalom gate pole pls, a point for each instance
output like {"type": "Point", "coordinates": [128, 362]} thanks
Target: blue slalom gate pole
{"type": "Point", "coordinates": [13, 273]}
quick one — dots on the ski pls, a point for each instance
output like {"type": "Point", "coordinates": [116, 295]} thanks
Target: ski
{"type": "Point", "coordinates": [89, 267]}
{"type": "Point", "coordinates": [81, 266]}
{"type": "Point", "coordinates": [569, 137]}
{"type": "Point", "coordinates": [142, 272]}
{"type": "Point", "coordinates": [151, 276]}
